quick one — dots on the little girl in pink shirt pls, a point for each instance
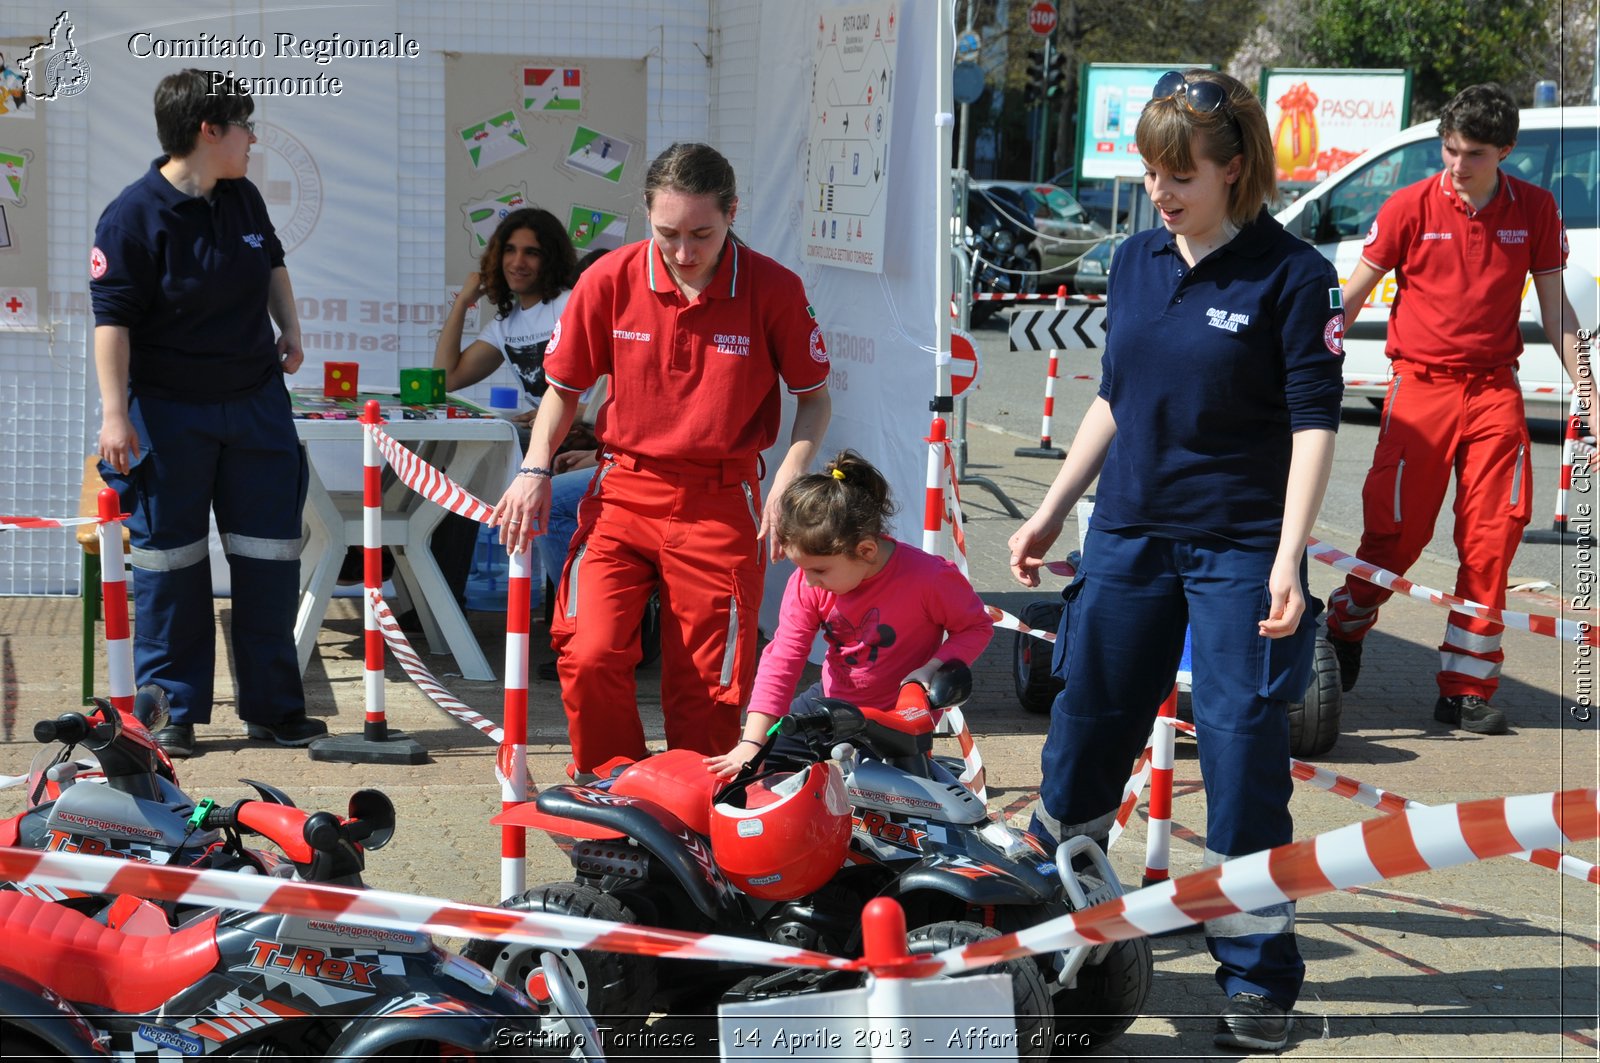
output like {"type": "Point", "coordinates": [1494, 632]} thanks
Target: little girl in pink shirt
{"type": "Point", "coordinates": [890, 613]}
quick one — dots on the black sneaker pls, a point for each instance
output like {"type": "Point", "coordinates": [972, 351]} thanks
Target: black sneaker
{"type": "Point", "coordinates": [296, 730]}
{"type": "Point", "coordinates": [1349, 655]}
{"type": "Point", "coordinates": [1251, 1021]}
{"type": "Point", "coordinates": [1470, 713]}
{"type": "Point", "coordinates": [177, 739]}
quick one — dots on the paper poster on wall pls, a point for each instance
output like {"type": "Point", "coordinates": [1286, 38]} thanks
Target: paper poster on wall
{"type": "Point", "coordinates": [13, 174]}
{"type": "Point", "coordinates": [481, 217]}
{"type": "Point", "coordinates": [19, 308]}
{"type": "Point", "coordinates": [5, 231]}
{"type": "Point", "coordinates": [494, 140]}
{"type": "Point", "coordinates": [552, 89]}
{"type": "Point", "coordinates": [14, 100]}
{"type": "Point", "coordinates": [593, 230]}
{"type": "Point", "coordinates": [600, 154]}
{"type": "Point", "coordinates": [847, 157]}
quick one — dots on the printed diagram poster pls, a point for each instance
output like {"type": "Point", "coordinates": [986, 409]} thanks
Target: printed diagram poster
{"type": "Point", "coordinates": [598, 154]}
{"type": "Point", "coordinates": [5, 230]}
{"type": "Point", "coordinates": [13, 175]}
{"type": "Point", "coordinates": [552, 89]}
{"type": "Point", "coordinates": [494, 140]}
{"type": "Point", "coordinates": [481, 217]}
{"type": "Point", "coordinates": [847, 156]}
{"type": "Point", "coordinates": [596, 230]}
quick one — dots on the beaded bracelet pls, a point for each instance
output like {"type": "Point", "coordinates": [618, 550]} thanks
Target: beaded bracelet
{"type": "Point", "coordinates": [535, 470]}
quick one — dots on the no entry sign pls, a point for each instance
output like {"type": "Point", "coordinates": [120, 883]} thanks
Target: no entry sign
{"type": "Point", "coordinates": [1042, 18]}
{"type": "Point", "coordinates": [963, 362]}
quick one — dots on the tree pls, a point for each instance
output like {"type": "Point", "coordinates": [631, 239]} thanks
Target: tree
{"type": "Point", "coordinates": [1447, 44]}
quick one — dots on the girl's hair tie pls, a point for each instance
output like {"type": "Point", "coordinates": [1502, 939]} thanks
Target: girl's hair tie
{"type": "Point", "coordinates": [838, 474]}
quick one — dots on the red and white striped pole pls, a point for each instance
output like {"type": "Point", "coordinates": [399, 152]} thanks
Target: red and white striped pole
{"type": "Point", "coordinates": [376, 728]}
{"type": "Point", "coordinates": [512, 762]}
{"type": "Point", "coordinates": [377, 744]}
{"type": "Point", "coordinates": [1569, 449]}
{"type": "Point", "coordinates": [1163, 752]}
{"type": "Point", "coordinates": [1045, 449]}
{"type": "Point", "coordinates": [933, 497]}
{"type": "Point", "coordinates": [114, 600]}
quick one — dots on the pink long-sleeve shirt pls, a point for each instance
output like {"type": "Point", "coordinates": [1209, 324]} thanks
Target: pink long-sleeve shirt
{"type": "Point", "coordinates": [916, 608]}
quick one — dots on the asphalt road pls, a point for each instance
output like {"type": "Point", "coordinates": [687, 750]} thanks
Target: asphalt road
{"type": "Point", "coordinates": [1009, 398]}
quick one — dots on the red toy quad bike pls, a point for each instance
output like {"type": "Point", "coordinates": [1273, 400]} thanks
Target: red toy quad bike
{"type": "Point", "coordinates": [125, 978]}
{"type": "Point", "coordinates": [842, 804]}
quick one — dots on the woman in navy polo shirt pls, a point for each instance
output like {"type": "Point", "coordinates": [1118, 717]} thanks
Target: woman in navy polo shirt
{"type": "Point", "coordinates": [1212, 436]}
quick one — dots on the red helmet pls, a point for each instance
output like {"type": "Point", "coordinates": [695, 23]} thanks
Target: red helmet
{"type": "Point", "coordinates": [779, 837]}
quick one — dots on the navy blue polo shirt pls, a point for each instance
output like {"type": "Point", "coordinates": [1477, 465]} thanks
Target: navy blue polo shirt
{"type": "Point", "coordinates": [1208, 372]}
{"type": "Point", "coordinates": [188, 278]}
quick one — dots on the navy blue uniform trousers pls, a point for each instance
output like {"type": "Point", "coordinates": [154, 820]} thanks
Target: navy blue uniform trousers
{"type": "Point", "coordinates": [242, 458]}
{"type": "Point", "coordinates": [1118, 648]}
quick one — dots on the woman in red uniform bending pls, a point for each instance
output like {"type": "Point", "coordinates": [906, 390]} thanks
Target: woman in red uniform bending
{"type": "Point", "coordinates": [698, 333]}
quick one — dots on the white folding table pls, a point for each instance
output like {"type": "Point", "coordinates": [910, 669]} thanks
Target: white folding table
{"type": "Point", "coordinates": [479, 453]}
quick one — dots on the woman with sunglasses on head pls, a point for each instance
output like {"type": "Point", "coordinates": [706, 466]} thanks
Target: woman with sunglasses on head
{"type": "Point", "coordinates": [1212, 437]}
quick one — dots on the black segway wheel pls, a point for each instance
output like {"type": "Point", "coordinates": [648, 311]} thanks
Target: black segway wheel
{"type": "Point", "coordinates": [1030, 657]}
{"type": "Point", "coordinates": [1314, 722]}
{"type": "Point", "coordinates": [616, 988]}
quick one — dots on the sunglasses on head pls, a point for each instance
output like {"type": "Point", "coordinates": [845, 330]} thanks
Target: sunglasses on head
{"type": "Point", "coordinates": [1201, 97]}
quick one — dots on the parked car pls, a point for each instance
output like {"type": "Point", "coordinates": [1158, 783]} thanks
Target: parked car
{"type": "Point", "coordinates": [1556, 149]}
{"type": "Point", "coordinates": [1095, 266]}
{"type": "Point", "coordinates": [1095, 197]}
{"type": "Point", "coordinates": [1064, 229]}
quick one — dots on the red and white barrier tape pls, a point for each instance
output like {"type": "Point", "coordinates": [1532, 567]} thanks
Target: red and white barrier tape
{"type": "Point", "coordinates": [411, 663]}
{"type": "Point", "coordinates": [382, 908]}
{"type": "Point", "coordinates": [1545, 390]}
{"type": "Point", "coordinates": [1131, 792]}
{"type": "Point", "coordinates": [32, 523]}
{"type": "Point", "coordinates": [1385, 801]}
{"type": "Point", "coordinates": [1553, 627]}
{"type": "Point", "coordinates": [1010, 622]}
{"type": "Point", "coordinates": [1418, 839]}
{"type": "Point", "coordinates": [428, 481]}
{"type": "Point", "coordinates": [1034, 297]}
{"type": "Point", "coordinates": [973, 777]}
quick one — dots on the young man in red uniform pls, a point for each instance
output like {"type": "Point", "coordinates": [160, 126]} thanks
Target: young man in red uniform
{"type": "Point", "coordinates": [698, 333]}
{"type": "Point", "coordinates": [1461, 244]}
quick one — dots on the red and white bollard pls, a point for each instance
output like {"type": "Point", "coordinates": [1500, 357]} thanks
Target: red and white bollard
{"type": "Point", "coordinates": [1163, 750]}
{"type": "Point", "coordinates": [933, 496]}
{"type": "Point", "coordinates": [376, 744]}
{"type": "Point", "coordinates": [512, 762]}
{"type": "Point", "coordinates": [114, 601]}
{"type": "Point", "coordinates": [1045, 449]}
{"type": "Point", "coordinates": [1570, 445]}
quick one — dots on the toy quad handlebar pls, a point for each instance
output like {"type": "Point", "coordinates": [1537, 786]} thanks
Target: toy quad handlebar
{"type": "Point", "coordinates": [129, 759]}
{"type": "Point", "coordinates": [323, 847]}
{"type": "Point", "coordinates": [831, 721]}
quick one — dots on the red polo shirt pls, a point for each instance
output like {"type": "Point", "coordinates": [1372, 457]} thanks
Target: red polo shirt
{"type": "Point", "coordinates": [690, 381]}
{"type": "Point", "coordinates": [1459, 273]}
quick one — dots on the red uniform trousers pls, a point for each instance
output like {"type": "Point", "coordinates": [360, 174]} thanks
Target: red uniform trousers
{"type": "Point", "coordinates": [1434, 421]}
{"type": "Point", "coordinates": [692, 529]}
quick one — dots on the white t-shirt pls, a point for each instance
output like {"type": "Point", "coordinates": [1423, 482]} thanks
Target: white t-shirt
{"type": "Point", "coordinates": [522, 336]}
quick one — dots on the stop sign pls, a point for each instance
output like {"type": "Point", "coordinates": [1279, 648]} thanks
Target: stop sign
{"type": "Point", "coordinates": [1042, 18]}
{"type": "Point", "coordinates": [963, 361]}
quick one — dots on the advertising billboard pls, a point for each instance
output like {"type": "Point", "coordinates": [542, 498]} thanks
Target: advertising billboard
{"type": "Point", "coordinates": [1110, 97]}
{"type": "Point", "coordinates": [1322, 119]}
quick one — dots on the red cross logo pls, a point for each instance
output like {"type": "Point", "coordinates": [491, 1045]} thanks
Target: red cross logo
{"type": "Point", "coordinates": [14, 305]}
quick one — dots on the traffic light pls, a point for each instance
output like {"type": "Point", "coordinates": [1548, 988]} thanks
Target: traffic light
{"type": "Point", "coordinates": [1034, 85]}
{"type": "Point", "coordinates": [1056, 78]}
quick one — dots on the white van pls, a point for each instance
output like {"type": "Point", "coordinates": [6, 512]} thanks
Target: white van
{"type": "Point", "coordinates": [1557, 149]}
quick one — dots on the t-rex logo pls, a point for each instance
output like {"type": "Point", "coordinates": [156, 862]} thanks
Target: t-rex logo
{"type": "Point", "coordinates": [55, 69]}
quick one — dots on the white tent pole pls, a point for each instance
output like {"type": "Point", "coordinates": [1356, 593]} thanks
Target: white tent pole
{"type": "Point", "coordinates": [944, 122]}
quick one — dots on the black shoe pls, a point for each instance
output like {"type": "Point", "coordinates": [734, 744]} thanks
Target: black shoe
{"type": "Point", "coordinates": [296, 730]}
{"type": "Point", "coordinates": [1349, 655]}
{"type": "Point", "coordinates": [1251, 1021]}
{"type": "Point", "coordinates": [1470, 713]}
{"type": "Point", "coordinates": [177, 739]}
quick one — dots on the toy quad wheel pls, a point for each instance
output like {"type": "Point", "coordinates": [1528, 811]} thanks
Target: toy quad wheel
{"type": "Point", "coordinates": [616, 988]}
{"type": "Point", "coordinates": [1314, 722]}
{"type": "Point", "coordinates": [1108, 997]}
{"type": "Point", "coordinates": [1037, 687]}
{"type": "Point", "coordinates": [1030, 996]}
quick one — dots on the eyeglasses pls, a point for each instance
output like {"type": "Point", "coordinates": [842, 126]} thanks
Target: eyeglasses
{"type": "Point", "coordinates": [1201, 97]}
{"type": "Point", "coordinates": [245, 124]}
